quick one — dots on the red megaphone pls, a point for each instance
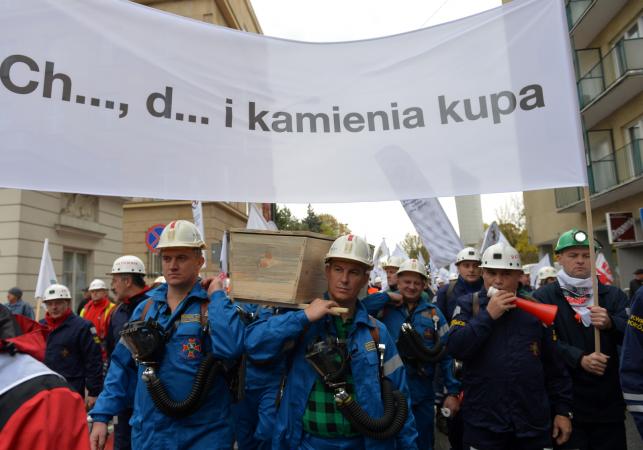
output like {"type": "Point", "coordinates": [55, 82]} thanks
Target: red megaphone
{"type": "Point", "coordinates": [545, 313]}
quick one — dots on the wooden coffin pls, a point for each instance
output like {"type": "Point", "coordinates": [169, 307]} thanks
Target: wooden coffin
{"type": "Point", "coordinates": [277, 267]}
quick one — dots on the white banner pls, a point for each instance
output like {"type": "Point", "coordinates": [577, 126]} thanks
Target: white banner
{"type": "Point", "coordinates": [217, 114]}
{"type": "Point", "coordinates": [435, 229]}
{"type": "Point", "coordinates": [46, 274]}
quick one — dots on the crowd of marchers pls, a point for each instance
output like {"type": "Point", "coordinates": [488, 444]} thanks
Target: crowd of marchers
{"type": "Point", "coordinates": [486, 358]}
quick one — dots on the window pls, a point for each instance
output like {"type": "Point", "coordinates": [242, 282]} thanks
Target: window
{"type": "Point", "coordinates": [75, 274]}
{"type": "Point", "coordinates": [153, 265]}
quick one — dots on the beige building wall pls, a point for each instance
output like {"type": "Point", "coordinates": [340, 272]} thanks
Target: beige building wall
{"type": "Point", "coordinates": [89, 226]}
{"type": "Point", "coordinates": [237, 14]}
{"type": "Point", "coordinates": [139, 216]}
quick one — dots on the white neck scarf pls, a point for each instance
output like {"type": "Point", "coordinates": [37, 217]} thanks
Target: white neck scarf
{"type": "Point", "coordinates": [578, 293]}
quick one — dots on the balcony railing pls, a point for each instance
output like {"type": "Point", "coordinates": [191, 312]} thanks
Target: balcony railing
{"type": "Point", "coordinates": [575, 10]}
{"type": "Point", "coordinates": [610, 171]}
{"type": "Point", "coordinates": [626, 55]}
{"type": "Point", "coordinates": [567, 196]}
{"type": "Point", "coordinates": [629, 161]}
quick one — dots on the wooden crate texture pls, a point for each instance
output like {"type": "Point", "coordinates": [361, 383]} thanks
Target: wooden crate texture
{"type": "Point", "coordinates": [277, 267]}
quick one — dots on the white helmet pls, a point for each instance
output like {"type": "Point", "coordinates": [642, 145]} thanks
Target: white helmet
{"type": "Point", "coordinates": [378, 280]}
{"type": "Point", "coordinates": [453, 276]}
{"type": "Point", "coordinates": [160, 279]}
{"type": "Point", "coordinates": [56, 292]}
{"type": "Point", "coordinates": [412, 265]}
{"type": "Point", "coordinates": [467, 254]}
{"type": "Point", "coordinates": [501, 256]}
{"type": "Point", "coordinates": [394, 261]}
{"type": "Point", "coordinates": [180, 233]}
{"type": "Point", "coordinates": [352, 248]}
{"type": "Point", "coordinates": [546, 272]}
{"type": "Point", "coordinates": [96, 285]}
{"type": "Point", "coordinates": [128, 264]}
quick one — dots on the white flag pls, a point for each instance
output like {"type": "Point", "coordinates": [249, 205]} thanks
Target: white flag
{"type": "Point", "coordinates": [399, 251]}
{"type": "Point", "coordinates": [435, 229]}
{"type": "Point", "coordinates": [493, 235]}
{"type": "Point", "coordinates": [533, 270]}
{"type": "Point", "coordinates": [256, 221]}
{"type": "Point", "coordinates": [223, 259]}
{"type": "Point", "coordinates": [197, 215]}
{"type": "Point", "coordinates": [381, 253]}
{"type": "Point", "coordinates": [275, 116]}
{"type": "Point", "coordinates": [47, 274]}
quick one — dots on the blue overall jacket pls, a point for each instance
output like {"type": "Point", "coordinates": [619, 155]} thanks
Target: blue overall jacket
{"type": "Point", "coordinates": [421, 319]}
{"type": "Point", "coordinates": [209, 427]}
{"type": "Point", "coordinates": [447, 303]}
{"type": "Point", "coordinates": [513, 375]}
{"type": "Point", "coordinates": [267, 339]}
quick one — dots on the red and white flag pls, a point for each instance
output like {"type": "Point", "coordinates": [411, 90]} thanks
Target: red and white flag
{"type": "Point", "coordinates": [603, 270]}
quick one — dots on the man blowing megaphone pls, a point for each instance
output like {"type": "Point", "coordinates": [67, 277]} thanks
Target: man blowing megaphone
{"type": "Point", "coordinates": [514, 381]}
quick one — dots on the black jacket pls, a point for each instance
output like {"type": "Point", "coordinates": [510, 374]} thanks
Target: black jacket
{"type": "Point", "coordinates": [596, 398]}
{"type": "Point", "coordinates": [73, 352]}
{"type": "Point", "coordinates": [513, 375]}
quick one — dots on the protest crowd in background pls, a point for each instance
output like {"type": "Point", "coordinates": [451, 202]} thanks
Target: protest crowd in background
{"type": "Point", "coordinates": [163, 333]}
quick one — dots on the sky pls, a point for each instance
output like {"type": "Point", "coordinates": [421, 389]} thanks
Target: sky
{"type": "Point", "coordinates": [346, 20]}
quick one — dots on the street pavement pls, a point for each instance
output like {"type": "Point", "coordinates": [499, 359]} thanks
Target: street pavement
{"type": "Point", "coordinates": [634, 441]}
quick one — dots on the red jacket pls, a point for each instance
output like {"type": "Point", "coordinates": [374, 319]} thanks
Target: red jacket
{"type": "Point", "coordinates": [98, 312]}
{"type": "Point", "coordinates": [38, 410]}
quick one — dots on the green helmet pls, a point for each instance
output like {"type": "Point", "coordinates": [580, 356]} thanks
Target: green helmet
{"type": "Point", "coordinates": [573, 238]}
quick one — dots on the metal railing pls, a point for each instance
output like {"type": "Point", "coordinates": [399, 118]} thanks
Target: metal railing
{"type": "Point", "coordinates": [625, 56]}
{"type": "Point", "coordinates": [619, 167]}
{"type": "Point", "coordinates": [575, 10]}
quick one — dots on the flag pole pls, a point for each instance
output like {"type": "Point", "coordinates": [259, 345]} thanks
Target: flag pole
{"type": "Point", "coordinates": [592, 261]}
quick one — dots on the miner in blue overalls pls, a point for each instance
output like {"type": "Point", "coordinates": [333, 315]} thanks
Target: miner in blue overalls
{"type": "Point", "coordinates": [346, 386]}
{"type": "Point", "coordinates": [254, 414]}
{"type": "Point", "coordinates": [420, 330]}
{"type": "Point", "coordinates": [517, 393]}
{"type": "Point", "coordinates": [173, 356]}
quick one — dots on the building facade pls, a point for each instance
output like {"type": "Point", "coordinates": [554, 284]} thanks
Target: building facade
{"type": "Point", "coordinates": [140, 215]}
{"type": "Point", "coordinates": [86, 232]}
{"type": "Point", "coordinates": [607, 41]}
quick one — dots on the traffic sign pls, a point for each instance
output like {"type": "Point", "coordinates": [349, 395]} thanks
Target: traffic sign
{"type": "Point", "coordinates": [152, 236]}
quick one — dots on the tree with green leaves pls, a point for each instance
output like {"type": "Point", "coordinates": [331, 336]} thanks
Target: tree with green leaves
{"type": "Point", "coordinates": [513, 224]}
{"type": "Point", "coordinates": [413, 246]}
{"type": "Point", "coordinates": [319, 223]}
